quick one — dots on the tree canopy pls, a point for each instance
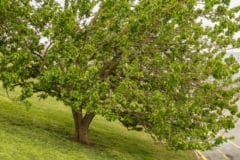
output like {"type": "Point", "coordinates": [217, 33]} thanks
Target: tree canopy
{"type": "Point", "coordinates": [155, 65]}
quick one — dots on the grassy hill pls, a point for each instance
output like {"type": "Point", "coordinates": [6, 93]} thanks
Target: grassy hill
{"type": "Point", "coordinates": [44, 132]}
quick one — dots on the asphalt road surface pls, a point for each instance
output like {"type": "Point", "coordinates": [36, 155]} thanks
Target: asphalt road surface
{"type": "Point", "coordinates": [227, 151]}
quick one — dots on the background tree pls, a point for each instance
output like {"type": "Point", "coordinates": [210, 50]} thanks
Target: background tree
{"type": "Point", "coordinates": [151, 64]}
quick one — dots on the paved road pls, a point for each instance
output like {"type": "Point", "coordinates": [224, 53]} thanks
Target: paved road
{"type": "Point", "coordinates": [227, 151]}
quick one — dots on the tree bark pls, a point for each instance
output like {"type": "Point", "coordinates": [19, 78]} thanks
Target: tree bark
{"type": "Point", "coordinates": [82, 124]}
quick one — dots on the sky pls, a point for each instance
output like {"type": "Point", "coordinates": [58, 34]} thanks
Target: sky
{"type": "Point", "coordinates": [235, 2]}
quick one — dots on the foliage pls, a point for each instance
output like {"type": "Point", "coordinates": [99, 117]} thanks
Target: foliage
{"type": "Point", "coordinates": [153, 64]}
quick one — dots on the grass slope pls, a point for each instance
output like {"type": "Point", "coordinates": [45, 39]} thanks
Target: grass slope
{"type": "Point", "coordinates": [45, 130]}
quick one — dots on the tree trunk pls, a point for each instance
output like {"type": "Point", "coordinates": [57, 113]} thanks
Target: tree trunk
{"type": "Point", "coordinates": [81, 125]}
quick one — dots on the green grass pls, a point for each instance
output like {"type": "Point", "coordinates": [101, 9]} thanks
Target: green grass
{"type": "Point", "coordinates": [45, 132]}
